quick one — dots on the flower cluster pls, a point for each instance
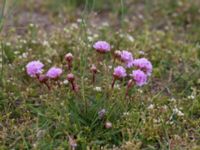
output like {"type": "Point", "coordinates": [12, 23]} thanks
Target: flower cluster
{"type": "Point", "coordinates": [141, 68]}
{"type": "Point", "coordinates": [138, 76]}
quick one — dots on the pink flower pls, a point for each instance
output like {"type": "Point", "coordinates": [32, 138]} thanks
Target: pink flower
{"type": "Point", "coordinates": [102, 46]}
{"type": "Point", "coordinates": [139, 77]}
{"type": "Point", "coordinates": [34, 68]}
{"type": "Point", "coordinates": [119, 72]}
{"type": "Point", "coordinates": [54, 72]}
{"type": "Point", "coordinates": [127, 58]}
{"type": "Point", "coordinates": [143, 64]}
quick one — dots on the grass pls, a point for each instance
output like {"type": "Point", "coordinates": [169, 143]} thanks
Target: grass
{"type": "Point", "coordinates": [31, 117]}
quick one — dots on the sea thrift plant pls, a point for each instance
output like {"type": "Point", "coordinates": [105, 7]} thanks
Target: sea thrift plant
{"type": "Point", "coordinates": [102, 46]}
{"type": "Point", "coordinates": [119, 73]}
{"type": "Point", "coordinates": [143, 64]}
{"type": "Point", "coordinates": [34, 68]}
{"type": "Point", "coordinates": [127, 58]}
{"type": "Point", "coordinates": [54, 73]}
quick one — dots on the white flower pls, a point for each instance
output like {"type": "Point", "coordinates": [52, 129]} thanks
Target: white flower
{"type": "Point", "coordinates": [110, 67]}
{"type": "Point", "coordinates": [130, 38]}
{"type": "Point", "coordinates": [116, 86]}
{"type": "Point", "coordinates": [90, 38]}
{"type": "Point", "coordinates": [191, 97]}
{"type": "Point", "coordinates": [45, 43]}
{"type": "Point", "coordinates": [178, 112]}
{"type": "Point", "coordinates": [98, 89]}
{"type": "Point", "coordinates": [172, 99]}
{"type": "Point", "coordinates": [24, 55]}
{"type": "Point", "coordinates": [125, 113]}
{"type": "Point", "coordinates": [65, 82]}
{"type": "Point", "coordinates": [151, 106]}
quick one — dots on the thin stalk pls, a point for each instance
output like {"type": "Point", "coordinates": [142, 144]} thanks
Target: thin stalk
{"type": "Point", "coordinates": [2, 47]}
{"type": "Point", "coordinates": [83, 94]}
{"type": "Point", "coordinates": [122, 12]}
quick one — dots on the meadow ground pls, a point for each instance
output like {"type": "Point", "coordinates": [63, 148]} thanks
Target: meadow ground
{"type": "Point", "coordinates": [163, 114]}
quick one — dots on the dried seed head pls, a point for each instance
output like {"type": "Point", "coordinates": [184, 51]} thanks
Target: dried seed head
{"type": "Point", "coordinates": [70, 77]}
{"type": "Point", "coordinates": [108, 125]}
{"type": "Point", "coordinates": [69, 57]}
{"type": "Point", "coordinates": [93, 69]}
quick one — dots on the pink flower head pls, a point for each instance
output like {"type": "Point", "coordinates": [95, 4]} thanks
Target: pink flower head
{"type": "Point", "coordinates": [139, 77]}
{"type": "Point", "coordinates": [143, 64]}
{"type": "Point", "coordinates": [34, 68]}
{"type": "Point", "coordinates": [102, 46]}
{"type": "Point", "coordinates": [127, 58]}
{"type": "Point", "coordinates": [54, 72]}
{"type": "Point", "coordinates": [119, 72]}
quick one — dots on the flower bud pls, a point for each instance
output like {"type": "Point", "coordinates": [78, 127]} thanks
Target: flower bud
{"type": "Point", "coordinates": [70, 77]}
{"type": "Point", "coordinates": [93, 69]}
{"type": "Point", "coordinates": [43, 78]}
{"type": "Point", "coordinates": [117, 54]}
{"type": "Point", "coordinates": [108, 125]}
{"type": "Point", "coordinates": [69, 57]}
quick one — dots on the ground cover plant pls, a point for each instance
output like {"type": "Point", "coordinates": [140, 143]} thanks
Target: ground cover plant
{"type": "Point", "coordinates": [91, 74]}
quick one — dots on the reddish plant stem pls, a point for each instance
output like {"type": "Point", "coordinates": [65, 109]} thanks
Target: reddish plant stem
{"type": "Point", "coordinates": [48, 86]}
{"type": "Point", "coordinates": [113, 82]}
{"type": "Point", "coordinates": [93, 77]}
{"type": "Point", "coordinates": [129, 85]}
{"type": "Point", "coordinates": [73, 86]}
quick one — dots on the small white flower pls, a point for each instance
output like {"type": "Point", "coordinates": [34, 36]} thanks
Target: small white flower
{"type": "Point", "coordinates": [178, 112]}
{"type": "Point", "coordinates": [16, 52]}
{"type": "Point", "coordinates": [33, 41]}
{"type": "Point", "coordinates": [98, 89]}
{"type": "Point", "coordinates": [65, 82]}
{"type": "Point", "coordinates": [140, 90]}
{"type": "Point", "coordinates": [31, 25]}
{"type": "Point", "coordinates": [105, 24]}
{"type": "Point", "coordinates": [110, 67]}
{"type": "Point", "coordinates": [24, 55]}
{"type": "Point", "coordinates": [95, 35]}
{"type": "Point", "coordinates": [74, 26]}
{"type": "Point", "coordinates": [79, 20]}
{"type": "Point", "coordinates": [8, 43]}
{"type": "Point", "coordinates": [172, 99]}
{"type": "Point", "coordinates": [49, 61]}
{"type": "Point", "coordinates": [125, 113]}
{"type": "Point", "coordinates": [90, 38]}
{"type": "Point", "coordinates": [141, 52]}
{"type": "Point", "coordinates": [150, 107]}
{"type": "Point", "coordinates": [116, 86]}
{"type": "Point", "coordinates": [191, 97]}
{"type": "Point", "coordinates": [45, 43]}
{"type": "Point", "coordinates": [156, 120]}
{"type": "Point", "coordinates": [130, 38]}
